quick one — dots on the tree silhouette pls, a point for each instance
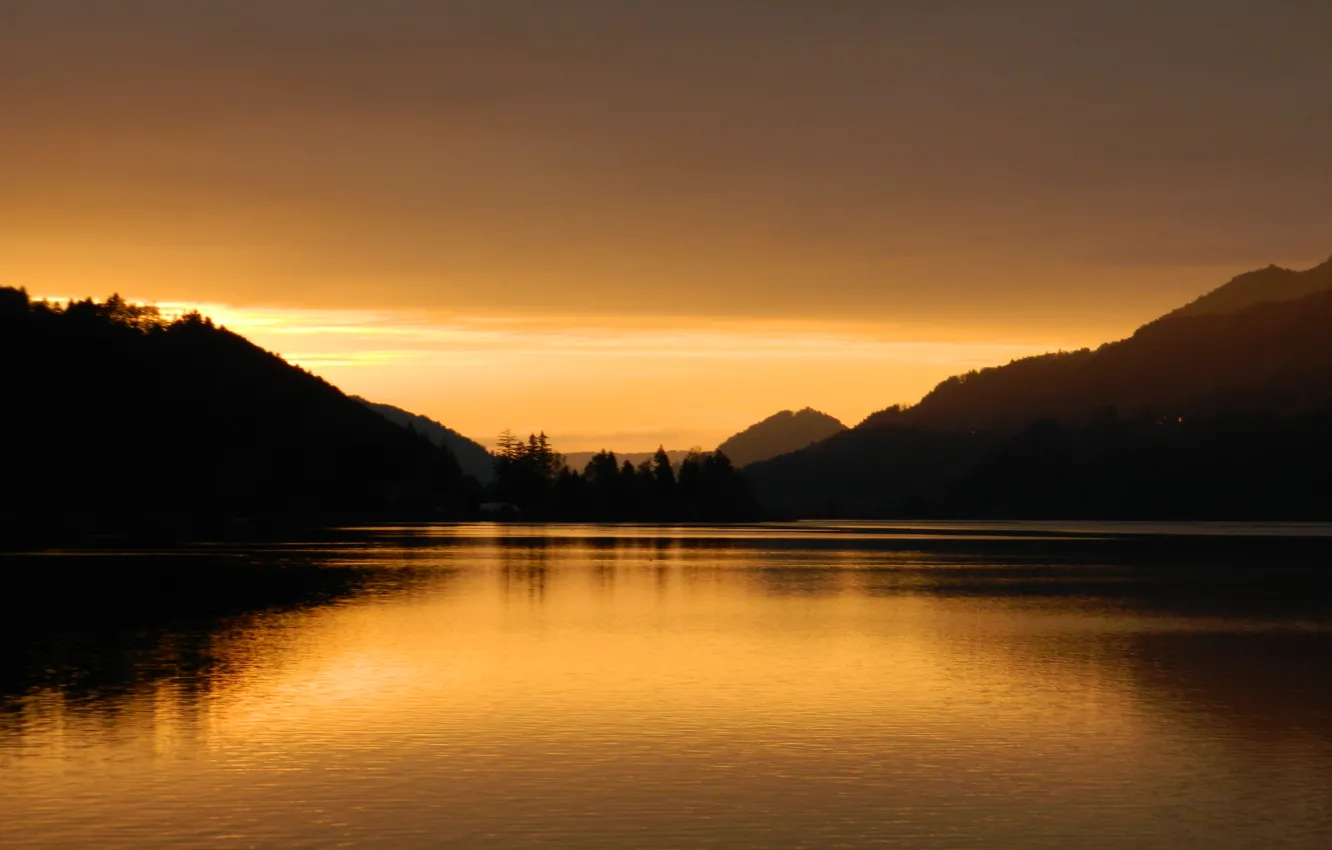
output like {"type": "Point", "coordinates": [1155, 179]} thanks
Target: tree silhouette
{"type": "Point", "coordinates": [663, 485]}
{"type": "Point", "coordinates": [709, 487]}
{"type": "Point", "coordinates": [526, 472]}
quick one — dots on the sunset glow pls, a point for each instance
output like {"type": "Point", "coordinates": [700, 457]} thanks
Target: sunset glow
{"type": "Point", "coordinates": [657, 424]}
{"type": "Point", "coordinates": [630, 226]}
{"type": "Point", "coordinates": [628, 384]}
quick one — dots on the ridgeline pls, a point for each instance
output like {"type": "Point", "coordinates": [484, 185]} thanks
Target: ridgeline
{"type": "Point", "coordinates": [1202, 414]}
{"type": "Point", "coordinates": [122, 423]}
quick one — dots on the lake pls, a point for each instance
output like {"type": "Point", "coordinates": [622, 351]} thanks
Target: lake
{"type": "Point", "coordinates": [806, 685]}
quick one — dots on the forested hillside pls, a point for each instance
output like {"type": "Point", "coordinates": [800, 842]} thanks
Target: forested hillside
{"type": "Point", "coordinates": [472, 457]}
{"type": "Point", "coordinates": [119, 421]}
{"type": "Point", "coordinates": [1273, 356]}
{"type": "Point", "coordinates": [1197, 415]}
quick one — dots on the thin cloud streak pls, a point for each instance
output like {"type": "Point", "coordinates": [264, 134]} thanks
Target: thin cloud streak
{"type": "Point", "coordinates": [577, 337]}
{"type": "Point", "coordinates": [593, 383]}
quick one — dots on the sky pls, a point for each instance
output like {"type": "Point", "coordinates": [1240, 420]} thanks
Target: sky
{"type": "Point", "coordinates": [632, 222]}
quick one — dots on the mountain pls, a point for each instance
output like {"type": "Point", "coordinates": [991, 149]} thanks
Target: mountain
{"type": "Point", "coordinates": [473, 457]}
{"type": "Point", "coordinates": [1197, 415]}
{"type": "Point", "coordinates": [1256, 287]}
{"type": "Point", "coordinates": [118, 421]}
{"type": "Point", "coordinates": [577, 461]}
{"type": "Point", "coordinates": [1256, 357]}
{"type": "Point", "coordinates": [779, 434]}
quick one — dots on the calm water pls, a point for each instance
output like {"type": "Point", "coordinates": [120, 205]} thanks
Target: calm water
{"type": "Point", "coordinates": [854, 685]}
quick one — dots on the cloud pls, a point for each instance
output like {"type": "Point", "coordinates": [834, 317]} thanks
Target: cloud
{"type": "Point", "coordinates": [727, 158]}
{"type": "Point", "coordinates": [373, 337]}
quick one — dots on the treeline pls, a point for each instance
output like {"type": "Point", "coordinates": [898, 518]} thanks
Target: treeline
{"type": "Point", "coordinates": [533, 481]}
{"type": "Point", "coordinates": [119, 420]}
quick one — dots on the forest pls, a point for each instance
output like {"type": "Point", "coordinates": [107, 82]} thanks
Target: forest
{"type": "Point", "coordinates": [532, 479]}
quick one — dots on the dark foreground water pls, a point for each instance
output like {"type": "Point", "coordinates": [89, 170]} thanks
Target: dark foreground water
{"type": "Point", "coordinates": [816, 686]}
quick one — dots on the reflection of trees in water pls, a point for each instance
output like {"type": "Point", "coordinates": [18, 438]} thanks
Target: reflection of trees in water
{"type": "Point", "coordinates": [95, 632]}
{"type": "Point", "coordinates": [604, 574]}
{"type": "Point", "coordinates": [1226, 633]}
{"type": "Point", "coordinates": [96, 635]}
{"type": "Point", "coordinates": [1240, 577]}
{"type": "Point", "coordinates": [529, 564]}
{"type": "Point", "coordinates": [795, 580]}
{"type": "Point", "coordinates": [1278, 681]}
{"type": "Point", "coordinates": [1262, 688]}
{"type": "Point", "coordinates": [524, 567]}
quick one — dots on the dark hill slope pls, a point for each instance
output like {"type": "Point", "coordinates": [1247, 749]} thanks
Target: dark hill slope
{"type": "Point", "coordinates": [779, 434]}
{"type": "Point", "coordinates": [1256, 287]}
{"type": "Point", "coordinates": [473, 457]}
{"type": "Point", "coordinates": [1213, 415]}
{"type": "Point", "coordinates": [881, 470]}
{"type": "Point", "coordinates": [1275, 357]}
{"type": "Point", "coordinates": [116, 420]}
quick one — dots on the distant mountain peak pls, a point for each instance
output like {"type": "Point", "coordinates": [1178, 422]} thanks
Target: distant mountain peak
{"type": "Point", "coordinates": [783, 432]}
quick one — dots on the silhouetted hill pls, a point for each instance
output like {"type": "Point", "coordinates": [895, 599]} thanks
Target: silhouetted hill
{"type": "Point", "coordinates": [1222, 415]}
{"type": "Point", "coordinates": [1266, 357]}
{"type": "Point", "coordinates": [1256, 287]}
{"type": "Point", "coordinates": [473, 457]}
{"type": "Point", "coordinates": [118, 421]}
{"type": "Point", "coordinates": [779, 434]}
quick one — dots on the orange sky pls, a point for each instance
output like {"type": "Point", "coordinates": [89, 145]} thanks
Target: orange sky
{"type": "Point", "coordinates": [639, 222]}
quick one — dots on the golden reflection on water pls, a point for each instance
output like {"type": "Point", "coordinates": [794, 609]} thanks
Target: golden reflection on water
{"type": "Point", "coordinates": [664, 690]}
